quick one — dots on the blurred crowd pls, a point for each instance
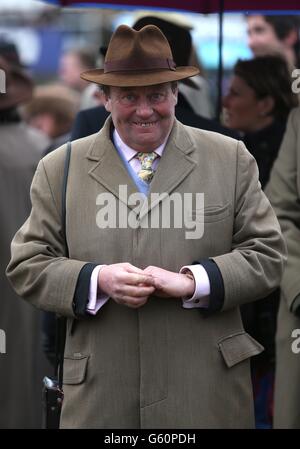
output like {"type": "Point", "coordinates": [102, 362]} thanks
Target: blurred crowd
{"type": "Point", "coordinates": [37, 119]}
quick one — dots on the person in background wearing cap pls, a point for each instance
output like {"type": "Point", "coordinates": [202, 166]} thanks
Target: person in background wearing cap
{"type": "Point", "coordinates": [23, 365]}
{"type": "Point", "coordinates": [154, 334]}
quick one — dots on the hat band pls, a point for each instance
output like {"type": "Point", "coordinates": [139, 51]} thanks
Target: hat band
{"type": "Point", "coordinates": [131, 64]}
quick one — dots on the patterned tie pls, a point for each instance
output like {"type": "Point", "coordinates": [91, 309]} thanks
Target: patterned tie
{"type": "Point", "coordinates": [146, 159]}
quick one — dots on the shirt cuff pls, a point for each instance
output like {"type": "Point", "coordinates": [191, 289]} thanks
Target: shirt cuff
{"type": "Point", "coordinates": [96, 298]}
{"type": "Point", "coordinates": [201, 294]}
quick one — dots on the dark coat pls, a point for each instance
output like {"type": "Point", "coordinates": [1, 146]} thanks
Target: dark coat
{"type": "Point", "coordinates": [264, 146]}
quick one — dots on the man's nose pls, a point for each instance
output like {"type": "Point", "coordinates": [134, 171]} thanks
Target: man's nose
{"type": "Point", "coordinates": [144, 108]}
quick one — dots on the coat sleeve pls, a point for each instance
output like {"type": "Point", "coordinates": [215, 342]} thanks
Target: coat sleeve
{"type": "Point", "coordinates": [38, 270]}
{"type": "Point", "coordinates": [283, 192]}
{"type": "Point", "coordinates": [255, 265]}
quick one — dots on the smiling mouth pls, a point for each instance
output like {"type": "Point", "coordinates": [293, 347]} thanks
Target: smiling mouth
{"type": "Point", "coordinates": [145, 124]}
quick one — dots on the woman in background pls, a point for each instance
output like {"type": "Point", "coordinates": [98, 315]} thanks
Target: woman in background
{"type": "Point", "coordinates": [257, 106]}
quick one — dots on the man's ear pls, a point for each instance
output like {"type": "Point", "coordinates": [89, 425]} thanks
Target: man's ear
{"type": "Point", "coordinates": [175, 94]}
{"type": "Point", "coordinates": [107, 102]}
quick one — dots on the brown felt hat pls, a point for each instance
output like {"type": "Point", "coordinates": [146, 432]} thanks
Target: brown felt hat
{"type": "Point", "coordinates": [138, 58]}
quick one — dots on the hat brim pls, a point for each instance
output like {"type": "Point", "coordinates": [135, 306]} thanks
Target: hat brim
{"type": "Point", "coordinates": [138, 78]}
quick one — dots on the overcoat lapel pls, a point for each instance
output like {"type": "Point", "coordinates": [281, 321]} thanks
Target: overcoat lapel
{"type": "Point", "coordinates": [109, 169]}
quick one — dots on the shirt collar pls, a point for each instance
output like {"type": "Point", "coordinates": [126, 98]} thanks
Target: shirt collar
{"type": "Point", "coordinates": [130, 153]}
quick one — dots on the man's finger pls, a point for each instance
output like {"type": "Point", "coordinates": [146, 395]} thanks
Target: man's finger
{"type": "Point", "coordinates": [132, 269]}
{"type": "Point", "coordinates": [136, 279]}
{"type": "Point", "coordinates": [137, 291]}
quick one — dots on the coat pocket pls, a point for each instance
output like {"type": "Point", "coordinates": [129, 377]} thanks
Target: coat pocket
{"type": "Point", "coordinates": [238, 347]}
{"type": "Point", "coordinates": [210, 213]}
{"type": "Point", "coordinates": [75, 369]}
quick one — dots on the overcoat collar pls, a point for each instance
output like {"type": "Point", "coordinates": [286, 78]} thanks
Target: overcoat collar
{"type": "Point", "coordinates": [109, 170]}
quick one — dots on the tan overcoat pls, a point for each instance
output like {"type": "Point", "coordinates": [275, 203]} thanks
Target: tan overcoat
{"type": "Point", "coordinates": [284, 193]}
{"type": "Point", "coordinates": [159, 366]}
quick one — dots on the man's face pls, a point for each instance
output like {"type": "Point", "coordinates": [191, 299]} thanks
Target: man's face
{"type": "Point", "coordinates": [143, 116]}
{"type": "Point", "coordinates": [262, 38]}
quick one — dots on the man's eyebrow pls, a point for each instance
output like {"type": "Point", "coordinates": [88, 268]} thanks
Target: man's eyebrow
{"type": "Point", "coordinates": [126, 89]}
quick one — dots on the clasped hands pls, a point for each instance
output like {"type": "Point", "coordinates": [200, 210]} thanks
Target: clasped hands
{"type": "Point", "coordinates": [131, 286]}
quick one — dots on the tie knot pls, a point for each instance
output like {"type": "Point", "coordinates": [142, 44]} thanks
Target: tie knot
{"type": "Point", "coordinates": [146, 159]}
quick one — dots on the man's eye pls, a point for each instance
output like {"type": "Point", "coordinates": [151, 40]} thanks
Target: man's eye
{"type": "Point", "coordinates": [157, 97]}
{"type": "Point", "coordinates": [129, 97]}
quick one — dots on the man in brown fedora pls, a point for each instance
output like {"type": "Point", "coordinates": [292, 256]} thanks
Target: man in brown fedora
{"type": "Point", "coordinates": [168, 232]}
